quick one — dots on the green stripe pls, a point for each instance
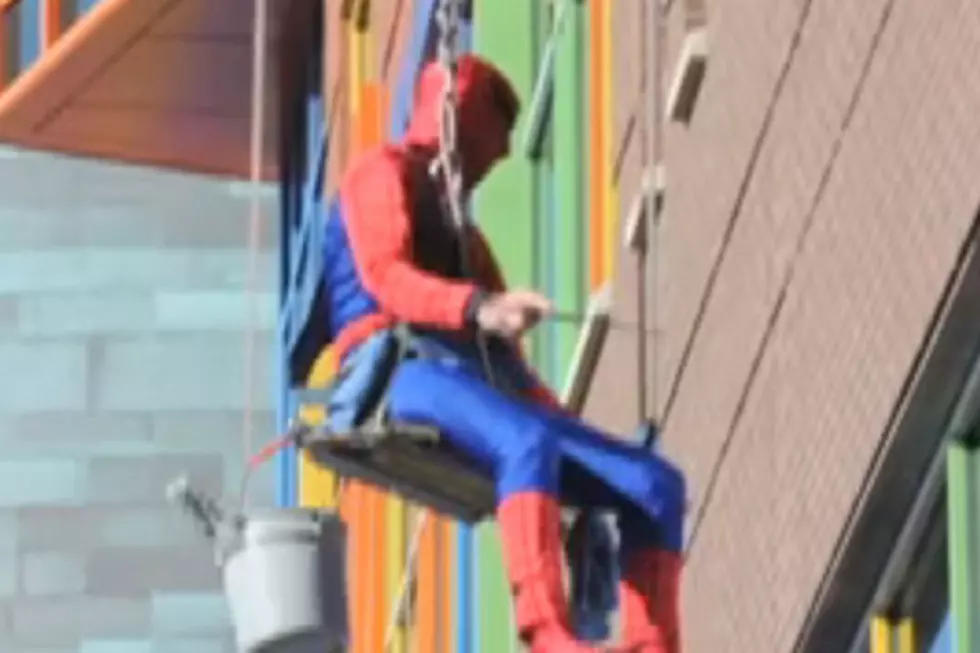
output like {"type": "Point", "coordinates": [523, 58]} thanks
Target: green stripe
{"type": "Point", "coordinates": [570, 181]}
{"type": "Point", "coordinates": [505, 201]}
{"type": "Point", "coordinates": [505, 206]}
{"type": "Point", "coordinates": [963, 497]}
{"type": "Point", "coordinates": [544, 191]}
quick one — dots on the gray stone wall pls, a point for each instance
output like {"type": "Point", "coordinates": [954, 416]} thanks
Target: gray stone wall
{"type": "Point", "coordinates": [123, 310]}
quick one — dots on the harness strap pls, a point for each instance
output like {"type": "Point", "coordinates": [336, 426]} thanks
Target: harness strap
{"type": "Point", "coordinates": [378, 414]}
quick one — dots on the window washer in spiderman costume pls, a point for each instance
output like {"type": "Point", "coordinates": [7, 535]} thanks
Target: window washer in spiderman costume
{"type": "Point", "coordinates": [392, 257]}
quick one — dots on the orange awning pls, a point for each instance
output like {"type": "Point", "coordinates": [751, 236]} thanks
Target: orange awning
{"type": "Point", "coordinates": [159, 82]}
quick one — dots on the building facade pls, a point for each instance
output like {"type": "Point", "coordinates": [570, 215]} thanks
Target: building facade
{"type": "Point", "coordinates": [760, 227]}
{"type": "Point", "coordinates": [808, 285]}
{"type": "Point", "coordinates": [815, 305]}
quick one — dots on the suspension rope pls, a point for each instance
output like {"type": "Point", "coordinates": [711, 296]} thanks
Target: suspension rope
{"type": "Point", "coordinates": [256, 161]}
{"type": "Point", "coordinates": [448, 163]}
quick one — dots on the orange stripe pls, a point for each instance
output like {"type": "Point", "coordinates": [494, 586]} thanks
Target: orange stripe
{"type": "Point", "coordinates": [54, 12]}
{"type": "Point", "coordinates": [597, 154]}
{"type": "Point", "coordinates": [447, 575]}
{"type": "Point", "coordinates": [352, 508]}
{"type": "Point", "coordinates": [379, 601]}
{"type": "Point", "coordinates": [6, 42]}
{"type": "Point", "coordinates": [377, 604]}
{"type": "Point", "coordinates": [427, 596]}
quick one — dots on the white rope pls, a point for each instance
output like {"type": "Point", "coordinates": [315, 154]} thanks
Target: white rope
{"type": "Point", "coordinates": [448, 18]}
{"type": "Point", "coordinates": [402, 599]}
{"type": "Point", "coordinates": [256, 160]}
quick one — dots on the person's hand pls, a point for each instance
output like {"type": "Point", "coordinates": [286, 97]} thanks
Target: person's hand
{"type": "Point", "coordinates": [510, 314]}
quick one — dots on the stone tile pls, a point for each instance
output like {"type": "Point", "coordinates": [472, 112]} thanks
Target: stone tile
{"type": "Point", "coordinates": [11, 646]}
{"type": "Point", "coordinates": [50, 482]}
{"type": "Point", "coordinates": [58, 313]}
{"type": "Point", "coordinates": [89, 527]}
{"type": "Point", "coordinates": [188, 613]}
{"type": "Point", "coordinates": [134, 645]}
{"type": "Point", "coordinates": [77, 434]}
{"type": "Point", "coordinates": [208, 431]}
{"type": "Point", "coordinates": [190, 372]}
{"type": "Point", "coordinates": [9, 314]}
{"type": "Point", "coordinates": [194, 645]}
{"type": "Point", "coordinates": [9, 582]}
{"type": "Point", "coordinates": [53, 573]}
{"type": "Point", "coordinates": [115, 269]}
{"type": "Point", "coordinates": [9, 530]}
{"type": "Point", "coordinates": [142, 571]}
{"type": "Point", "coordinates": [64, 621]}
{"type": "Point", "coordinates": [143, 480]}
{"type": "Point", "coordinates": [42, 376]}
{"type": "Point", "coordinates": [218, 310]}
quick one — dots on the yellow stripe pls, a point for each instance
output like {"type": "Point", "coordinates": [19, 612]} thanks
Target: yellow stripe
{"type": "Point", "coordinates": [906, 635]}
{"type": "Point", "coordinates": [397, 546]}
{"type": "Point", "coordinates": [610, 197]}
{"type": "Point", "coordinates": [317, 486]}
{"type": "Point", "coordinates": [881, 635]}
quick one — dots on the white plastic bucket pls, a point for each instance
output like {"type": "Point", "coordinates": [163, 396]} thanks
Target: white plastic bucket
{"type": "Point", "coordinates": [285, 583]}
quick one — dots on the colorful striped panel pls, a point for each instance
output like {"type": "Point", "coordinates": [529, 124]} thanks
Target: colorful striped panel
{"type": "Point", "coordinates": [597, 152]}
{"type": "Point", "coordinates": [963, 515]}
{"type": "Point", "coordinates": [505, 208]}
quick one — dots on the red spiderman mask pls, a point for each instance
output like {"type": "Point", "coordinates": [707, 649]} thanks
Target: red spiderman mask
{"type": "Point", "coordinates": [488, 109]}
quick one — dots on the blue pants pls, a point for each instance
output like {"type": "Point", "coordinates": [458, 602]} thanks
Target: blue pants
{"type": "Point", "coordinates": [527, 447]}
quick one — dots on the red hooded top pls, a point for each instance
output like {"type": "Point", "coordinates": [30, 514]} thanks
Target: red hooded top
{"type": "Point", "coordinates": [401, 244]}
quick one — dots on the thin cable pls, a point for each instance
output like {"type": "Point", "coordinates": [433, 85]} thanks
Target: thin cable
{"type": "Point", "coordinates": [408, 577]}
{"type": "Point", "coordinates": [572, 317]}
{"type": "Point", "coordinates": [256, 156]}
{"type": "Point", "coordinates": [658, 146]}
{"type": "Point", "coordinates": [650, 247]}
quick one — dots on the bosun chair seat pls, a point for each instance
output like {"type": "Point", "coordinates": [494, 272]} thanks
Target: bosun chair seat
{"type": "Point", "coordinates": [409, 460]}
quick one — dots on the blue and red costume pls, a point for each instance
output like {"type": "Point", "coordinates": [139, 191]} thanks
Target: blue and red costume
{"type": "Point", "coordinates": [391, 257]}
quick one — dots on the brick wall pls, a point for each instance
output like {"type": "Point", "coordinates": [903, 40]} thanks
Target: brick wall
{"type": "Point", "coordinates": [122, 316]}
{"type": "Point", "coordinates": [815, 209]}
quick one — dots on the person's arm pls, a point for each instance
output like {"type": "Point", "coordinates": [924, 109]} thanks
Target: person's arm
{"type": "Point", "coordinates": [380, 232]}
{"type": "Point", "coordinates": [488, 272]}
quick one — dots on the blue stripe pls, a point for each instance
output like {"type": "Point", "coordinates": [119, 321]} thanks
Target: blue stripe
{"type": "Point", "coordinates": [298, 206]}
{"type": "Point", "coordinates": [411, 64]}
{"type": "Point", "coordinates": [464, 589]}
{"type": "Point", "coordinates": [29, 33]}
{"type": "Point", "coordinates": [465, 585]}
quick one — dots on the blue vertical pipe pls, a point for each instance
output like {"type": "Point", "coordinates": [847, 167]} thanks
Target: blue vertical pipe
{"type": "Point", "coordinates": [465, 599]}
{"type": "Point", "coordinates": [297, 209]}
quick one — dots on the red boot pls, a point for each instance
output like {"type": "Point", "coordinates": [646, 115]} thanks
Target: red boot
{"type": "Point", "coordinates": [530, 530]}
{"type": "Point", "coordinates": [649, 597]}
